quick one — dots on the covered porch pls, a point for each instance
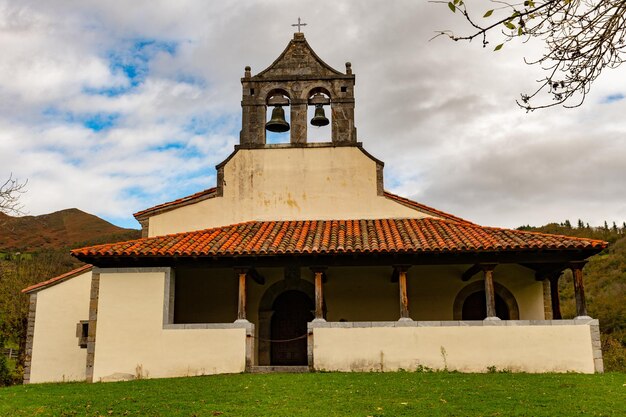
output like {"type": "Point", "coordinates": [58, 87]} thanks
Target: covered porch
{"type": "Point", "coordinates": [416, 299]}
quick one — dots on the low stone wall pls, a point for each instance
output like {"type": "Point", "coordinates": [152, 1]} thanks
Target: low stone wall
{"type": "Point", "coordinates": [134, 339]}
{"type": "Point", "coordinates": [465, 346]}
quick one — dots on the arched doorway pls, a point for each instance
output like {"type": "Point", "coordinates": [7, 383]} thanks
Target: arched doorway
{"type": "Point", "coordinates": [292, 311]}
{"type": "Point", "coordinates": [470, 303]}
{"type": "Point", "coordinates": [475, 307]}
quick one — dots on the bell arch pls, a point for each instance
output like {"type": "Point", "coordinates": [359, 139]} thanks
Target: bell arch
{"type": "Point", "coordinates": [475, 287]}
{"type": "Point", "coordinates": [277, 115]}
{"type": "Point", "coordinates": [319, 114]}
{"type": "Point", "coordinates": [297, 72]}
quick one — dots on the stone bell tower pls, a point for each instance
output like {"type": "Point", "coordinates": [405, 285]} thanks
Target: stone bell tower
{"type": "Point", "coordinates": [298, 78]}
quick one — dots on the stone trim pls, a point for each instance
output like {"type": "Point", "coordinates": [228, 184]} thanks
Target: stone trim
{"type": "Point", "coordinates": [93, 320]}
{"type": "Point", "coordinates": [30, 334]}
{"type": "Point", "coordinates": [204, 326]}
{"type": "Point", "coordinates": [596, 345]}
{"type": "Point", "coordinates": [455, 323]}
{"type": "Point", "coordinates": [169, 296]}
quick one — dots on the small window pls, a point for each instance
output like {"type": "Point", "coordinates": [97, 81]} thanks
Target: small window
{"type": "Point", "coordinates": [344, 89]}
{"type": "Point", "coordinates": [252, 91]}
{"type": "Point", "coordinates": [82, 332]}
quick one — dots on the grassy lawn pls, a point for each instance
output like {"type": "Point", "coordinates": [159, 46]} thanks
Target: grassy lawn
{"type": "Point", "coordinates": [329, 394]}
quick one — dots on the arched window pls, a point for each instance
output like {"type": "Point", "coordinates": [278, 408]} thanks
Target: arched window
{"type": "Point", "coordinates": [470, 303]}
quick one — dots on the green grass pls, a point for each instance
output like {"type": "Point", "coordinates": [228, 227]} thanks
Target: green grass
{"type": "Point", "coordinates": [329, 394]}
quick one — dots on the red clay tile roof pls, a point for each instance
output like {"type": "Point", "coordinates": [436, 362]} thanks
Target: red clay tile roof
{"type": "Point", "coordinates": [266, 238]}
{"type": "Point", "coordinates": [59, 279]}
{"type": "Point", "coordinates": [202, 195]}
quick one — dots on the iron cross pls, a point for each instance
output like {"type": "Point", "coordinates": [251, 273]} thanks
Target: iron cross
{"type": "Point", "coordinates": [299, 24]}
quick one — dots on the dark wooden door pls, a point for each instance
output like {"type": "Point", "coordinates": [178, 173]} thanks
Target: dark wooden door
{"type": "Point", "coordinates": [292, 312]}
{"type": "Point", "coordinates": [475, 307]}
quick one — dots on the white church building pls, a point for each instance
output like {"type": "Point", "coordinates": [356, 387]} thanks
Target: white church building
{"type": "Point", "coordinates": [299, 259]}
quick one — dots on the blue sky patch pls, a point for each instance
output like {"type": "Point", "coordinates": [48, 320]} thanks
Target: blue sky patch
{"type": "Point", "coordinates": [100, 121]}
{"type": "Point", "coordinates": [612, 98]}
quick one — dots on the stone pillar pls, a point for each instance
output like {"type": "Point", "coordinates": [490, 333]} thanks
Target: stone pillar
{"type": "Point", "coordinates": [241, 305]}
{"type": "Point", "coordinates": [402, 286]}
{"type": "Point", "coordinates": [298, 121]}
{"type": "Point", "coordinates": [547, 299]}
{"type": "Point", "coordinates": [319, 292]}
{"type": "Point", "coordinates": [265, 328]}
{"type": "Point", "coordinates": [579, 289]}
{"type": "Point", "coordinates": [93, 321]}
{"type": "Point", "coordinates": [343, 130]}
{"type": "Point", "coordinates": [490, 299]}
{"type": "Point", "coordinates": [30, 334]}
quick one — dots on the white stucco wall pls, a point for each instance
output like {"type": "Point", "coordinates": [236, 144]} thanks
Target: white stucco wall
{"type": "Point", "coordinates": [131, 338]}
{"type": "Point", "coordinates": [520, 348]}
{"type": "Point", "coordinates": [56, 355]}
{"type": "Point", "coordinates": [289, 184]}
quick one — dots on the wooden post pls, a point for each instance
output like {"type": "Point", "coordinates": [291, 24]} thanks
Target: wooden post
{"type": "Point", "coordinates": [489, 291]}
{"type": "Point", "coordinates": [554, 296]}
{"type": "Point", "coordinates": [241, 306]}
{"type": "Point", "coordinates": [319, 292]}
{"type": "Point", "coordinates": [547, 299]}
{"type": "Point", "coordinates": [579, 288]}
{"type": "Point", "coordinates": [404, 298]}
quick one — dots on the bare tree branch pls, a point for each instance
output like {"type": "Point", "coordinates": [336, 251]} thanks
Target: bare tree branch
{"type": "Point", "coordinates": [582, 37]}
{"type": "Point", "coordinates": [10, 192]}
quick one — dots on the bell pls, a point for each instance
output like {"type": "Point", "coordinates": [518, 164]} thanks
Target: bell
{"type": "Point", "coordinates": [278, 123]}
{"type": "Point", "coordinates": [320, 118]}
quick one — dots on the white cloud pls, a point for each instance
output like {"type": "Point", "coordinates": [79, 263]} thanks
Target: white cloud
{"type": "Point", "coordinates": [440, 114]}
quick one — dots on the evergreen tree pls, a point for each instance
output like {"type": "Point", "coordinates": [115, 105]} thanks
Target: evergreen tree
{"type": "Point", "coordinates": [581, 225]}
{"type": "Point", "coordinates": [606, 225]}
{"type": "Point", "coordinates": [567, 224]}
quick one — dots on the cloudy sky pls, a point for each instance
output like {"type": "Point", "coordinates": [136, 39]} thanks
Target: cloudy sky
{"type": "Point", "coordinates": [115, 106]}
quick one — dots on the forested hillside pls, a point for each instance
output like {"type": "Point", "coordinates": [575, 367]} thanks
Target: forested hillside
{"type": "Point", "coordinates": [33, 249]}
{"type": "Point", "coordinates": [605, 286]}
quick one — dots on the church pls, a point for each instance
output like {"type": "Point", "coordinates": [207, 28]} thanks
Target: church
{"type": "Point", "coordinates": [298, 259]}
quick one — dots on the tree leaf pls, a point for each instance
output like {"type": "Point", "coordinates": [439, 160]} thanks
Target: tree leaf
{"type": "Point", "coordinates": [452, 6]}
{"type": "Point", "coordinates": [497, 48]}
{"type": "Point", "coordinates": [520, 31]}
{"type": "Point", "coordinates": [489, 13]}
{"type": "Point", "coordinates": [509, 25]}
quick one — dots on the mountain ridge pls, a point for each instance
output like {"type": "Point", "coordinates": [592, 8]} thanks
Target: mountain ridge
{"type": "Point", "coordinates": [63, 228]}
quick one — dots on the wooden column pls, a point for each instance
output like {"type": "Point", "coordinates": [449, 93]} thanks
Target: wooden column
{"type": "Point", "coordinates": [579, 288]}
{"type": "Point", "coordinates": [554, 296]}
{"type": "Point", "coordinates": [547, 299]}
{"type": "Point", "coordinates": [489, 291]}
{"type": "Point", "coordinates": [319, 292]}
{"type": "Point", "coordinates": [241, 305]}
{"type": "Point", "coordinates": [404, 298]}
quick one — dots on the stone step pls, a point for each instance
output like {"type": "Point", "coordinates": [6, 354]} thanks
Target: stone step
{"type": "Point", "coordinates": [279, 369]}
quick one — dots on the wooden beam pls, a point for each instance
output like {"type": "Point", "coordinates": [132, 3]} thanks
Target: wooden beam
{"type": "Point", "coordinates": [394, 275]}
{"type": "Point", "coordinates": [471, 271]}
{"type": "Point", "coordinates": [489, 290]}
{"type": "Point", "coordinates": [579, 288]}
{"type": "Point", "coordinates": [256, 277]}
